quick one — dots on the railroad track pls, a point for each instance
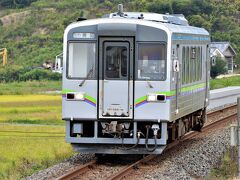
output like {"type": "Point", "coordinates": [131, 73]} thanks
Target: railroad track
{"type": "Point", "coordinates": [125, 171]}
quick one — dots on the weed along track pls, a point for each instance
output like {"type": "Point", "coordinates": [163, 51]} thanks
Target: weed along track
{"type": "Point", "coordinates": [106, 170]}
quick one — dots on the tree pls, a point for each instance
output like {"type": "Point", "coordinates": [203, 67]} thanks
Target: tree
{"type": "Point", "coordinates": [160, 6]}
{"type": "Point", "coordinates": [15, 3]}
{"type": "Point", "coordinates": [199, 21]}
{"type": "Point", "coordinates": [182, 7]}
{"type": "Point", "coordinates": [218, 68]}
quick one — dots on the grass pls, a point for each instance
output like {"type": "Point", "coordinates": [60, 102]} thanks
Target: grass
{"type": "Point", "coordinates": [224, 82]}
{"type": "Point", "coordinates": [227, 168]}
{"type": "Point", "coordinates": [31, 134]}
{"type": "Point", "coordinates": [29, 87]}
{"type": "Point", "coordinates": [27, 149]}
{"type": "Point", "coordinates": [31, 109]}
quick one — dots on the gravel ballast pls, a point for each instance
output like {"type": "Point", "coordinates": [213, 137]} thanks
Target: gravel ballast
{"type": "Point", "coordinates": [190, 160]}
{"type": "Point", "coordinates": [61, 168]}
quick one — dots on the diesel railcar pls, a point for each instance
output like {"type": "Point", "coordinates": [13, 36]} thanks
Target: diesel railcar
{"type": "Point", "coordinates": [132, 82]}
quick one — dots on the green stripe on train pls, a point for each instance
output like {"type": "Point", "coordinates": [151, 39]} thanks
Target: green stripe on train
{"type": "Point", "coordinates": [173, 92]}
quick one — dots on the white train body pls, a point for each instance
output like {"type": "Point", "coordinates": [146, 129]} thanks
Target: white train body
{"type": "Point", "coordinates": [133, 82]}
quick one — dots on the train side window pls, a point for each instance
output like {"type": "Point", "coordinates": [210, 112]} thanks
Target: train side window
{"type": "Point", "coordinates": [183, 65]}
{"type": "Point", "coordinates": [197, 64]}
{"type": "Point", "coordinates": [201, 62]}
{"type": "Point", "coordinates": [187, 66]}
{"type": "Point", "coordinates": [151, 63]}
{"type": "Point", "coordinates": [194, 62]}
{"type": "Point", "coordinates": [81, 60]}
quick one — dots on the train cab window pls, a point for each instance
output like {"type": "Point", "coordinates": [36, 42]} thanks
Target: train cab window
{"type": "Point", "coordinates": [116, 62]}
{"type": "Point", "coordinates": [81, 60]}
{"type": "Point", "coordinates": [151, 64]}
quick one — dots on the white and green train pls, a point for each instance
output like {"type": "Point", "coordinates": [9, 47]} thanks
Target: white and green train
{"type": "Point", "coordinates": [132, 82]}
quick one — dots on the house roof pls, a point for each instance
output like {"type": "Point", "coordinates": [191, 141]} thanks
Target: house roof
{"type": "Point", "coordinates": [215, 52]}
{"type": "Point", "coordinates": [212, 49]}
{"type": "Point", "coordinates": [222, 46]}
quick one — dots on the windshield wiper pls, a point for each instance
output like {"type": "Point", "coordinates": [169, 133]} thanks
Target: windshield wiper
{"type": "Point", "coordinates": [88, 75]}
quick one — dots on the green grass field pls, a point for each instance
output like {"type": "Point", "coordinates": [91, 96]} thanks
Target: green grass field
{"type": "Point", "coordinates": [224, 82]}
{"type": "Point", "coordinates": [31, 134]}
{"type": "Point", "coordinates": [29, 87]}
{"type": "Point", "coordinates": [31, 109]}
{"type": "Point", "coordinates": [26, 149]}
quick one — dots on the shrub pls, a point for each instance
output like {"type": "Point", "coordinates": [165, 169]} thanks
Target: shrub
{"type": "Point", "coordinates": [40, 74]}
{"type": "Point", "coordinates": [218, 68]}
{"type": "Point", "coordinates": [11, 73]}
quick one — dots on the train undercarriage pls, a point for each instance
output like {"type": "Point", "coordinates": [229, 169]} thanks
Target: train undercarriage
{"type": "Point", "coordinates": [191, 122]}
{"type": "Point", "coordinates": [123, 137]}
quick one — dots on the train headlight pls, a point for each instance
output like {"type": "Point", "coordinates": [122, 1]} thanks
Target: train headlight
{"type": "Point", "coordinates": [79, 96]}
{"type": "Point", "coordinates": [76, 96]}
{"type": "Point", "coordinates": [156, 98]}
{"type": "Point", "coordinates": [151, 97]}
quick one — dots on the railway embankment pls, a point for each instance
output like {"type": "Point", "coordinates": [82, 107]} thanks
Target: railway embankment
{"type": "Point", "coordinates": [190, 159]}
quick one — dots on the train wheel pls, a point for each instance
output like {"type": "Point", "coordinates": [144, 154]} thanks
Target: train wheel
{"type": "Point", "coordinates": [200, 120]}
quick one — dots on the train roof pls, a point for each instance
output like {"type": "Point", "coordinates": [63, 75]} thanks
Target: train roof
{"type": "Point", "coordinates": [168, 27]}
{"type": "Point", "coordinates": [178, 19]}
{"type": "Point", "coordinates": [171, 23]}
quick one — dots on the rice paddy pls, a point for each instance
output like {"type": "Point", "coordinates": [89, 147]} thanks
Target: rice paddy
{"type": "Point", "coordinates": [31, 134]}
{"type": "Point", "coordinates": [30, 87]}
{"type": "Point", "coordinates": [31, 109]}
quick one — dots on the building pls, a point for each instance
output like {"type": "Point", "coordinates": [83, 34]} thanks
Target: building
{"type": "Point", "coordinates": [225, 51]}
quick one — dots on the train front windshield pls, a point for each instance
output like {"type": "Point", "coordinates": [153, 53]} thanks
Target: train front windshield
{"type": "Point", "coordinates": [150, 65]}
{"type": "Point", "coordinates": [151, 61]}
{"type": "Point", "coordinates": [81, 60]}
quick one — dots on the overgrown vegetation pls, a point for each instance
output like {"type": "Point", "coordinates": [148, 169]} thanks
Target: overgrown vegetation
{"type": "Point", "coordinates": [227, 168]}
{"type": "Point", "coordinates": [15, 3]}
{"type": "Point", "coordinates": [11, 73]}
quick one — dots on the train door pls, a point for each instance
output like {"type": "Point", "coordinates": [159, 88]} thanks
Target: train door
{"type": "Point", "coordinates": [116, 78]}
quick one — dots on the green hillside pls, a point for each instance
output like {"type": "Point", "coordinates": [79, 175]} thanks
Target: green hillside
{"type": "Point", "coordinates": [32, 30]}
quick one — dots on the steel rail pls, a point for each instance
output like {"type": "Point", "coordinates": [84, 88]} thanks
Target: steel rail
{"type": "Point", "coordinates": [78, 171]}
{"type": "Point", "coordinates": [126, 171]}
{"type": "Point", "coordinates": [213, 113]}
